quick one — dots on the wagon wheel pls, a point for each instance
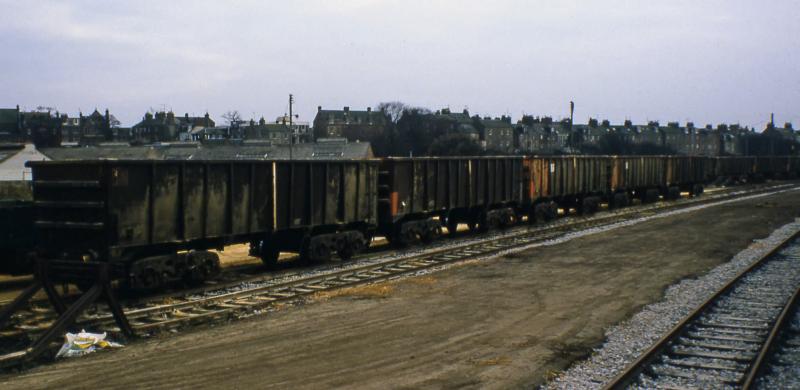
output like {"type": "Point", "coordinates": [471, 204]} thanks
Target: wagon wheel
{"type": "Point", "coordinates": [150, 279]}
{"type": "Point", "coordinates": [430, 234]}
{"type": "Point", "coordinates": [588, 206]}
{"type": "Point", "coordinates": [350, 249]}
{"type": "Point", "coordinates": [552, 211]}
{"type": "Point", "coordinates": [269, 255]}
{"type": "Point", "coordinates": [209, 265]}
{"type": "Point", "coordinates": [540, 211]}
{"type": "Point", "coordinates": [483, 223]}
{"type": "Point", "coordinates": [408, 236]}
{"type": "Point", "coordinates": [320, 252]}
{"type": "Point", "coordinates": [193, 274]}
{"type": "Point", "coordinates": [452, 226]}
{"type": "Point", "coordinates": [620, 200]}
{"type": "Point", "coordinates": [347, 252]}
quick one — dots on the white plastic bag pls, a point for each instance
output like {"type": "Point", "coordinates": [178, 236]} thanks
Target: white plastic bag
{"type": "Point", "coordinates": [83, 343]}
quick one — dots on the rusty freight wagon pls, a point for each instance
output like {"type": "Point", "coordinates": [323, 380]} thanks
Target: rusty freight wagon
{"type": "Point", "coordinates": [418, 195]}
{"type": "Point", "coordinates": [636, 176]}
{"type": "Point", "coordinates": [734, 168]}
{"type": "Point", "coordinates": [772, 167]}
{"type": "Point", "coordinates": [794, 167]}
{"type": "Point", "coordinates": [155, 219]}
{"type": "Point", "coordinates": [686, 173]}
{"type": "Point", "coordinates": [565, 181]}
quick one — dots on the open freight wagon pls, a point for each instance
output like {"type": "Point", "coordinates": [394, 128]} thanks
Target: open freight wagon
{"type": "Point", "coordinates": [419, 195]}
{"type": "Point", "coordinates": [156, 219]}
{"type": "Point", "coordinates": [565, 181]}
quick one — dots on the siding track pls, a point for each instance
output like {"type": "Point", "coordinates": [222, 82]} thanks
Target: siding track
{"type": "Point", "coordinates": [723, 343]}
{"type": "Point", "coordinates": [256, 294]}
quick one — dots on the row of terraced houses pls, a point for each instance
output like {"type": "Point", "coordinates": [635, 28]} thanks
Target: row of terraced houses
{"type": "Point", "coordinates": [540, 135]}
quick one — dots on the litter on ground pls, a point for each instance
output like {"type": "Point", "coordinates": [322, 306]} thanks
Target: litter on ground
{"type": "Point", "coordinates": [84, 343]}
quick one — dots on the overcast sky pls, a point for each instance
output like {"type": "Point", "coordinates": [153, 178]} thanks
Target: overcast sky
{"type": "Point", "coordinates": [705, 61]}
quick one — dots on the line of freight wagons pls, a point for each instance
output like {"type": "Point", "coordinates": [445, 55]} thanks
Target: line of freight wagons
{"type": "Point", "coordinates": [155, 220]}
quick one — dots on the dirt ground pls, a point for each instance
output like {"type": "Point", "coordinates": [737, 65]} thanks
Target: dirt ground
{"type": "Point", "coordinates": [499, 323]}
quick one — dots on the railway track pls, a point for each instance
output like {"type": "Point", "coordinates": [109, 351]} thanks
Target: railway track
{"type": "Point", "coordinates": [235, 275]}
{"type": "Point", "coordinates": [259, 293]}
{"type": "Point", "coordinates": [725, 341]}
{"type": "Point", "coordinates": [780, 367]}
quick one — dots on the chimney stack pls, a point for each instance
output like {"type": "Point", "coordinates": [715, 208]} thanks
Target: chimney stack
{"type": "Point", "coordinates": [369, 109]}
{"type": "Point", "coordinates": [319, 108]}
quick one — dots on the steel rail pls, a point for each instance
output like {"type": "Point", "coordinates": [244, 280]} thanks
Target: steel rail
{"type": "Point", "coordinates": [166, 315]}
{"type": "Point", "coordinates": [525, 234]}
{"type": "Point", "coordinates": [766, 350]}
{"type": "Point", "coordinates": [376, 252]}
{"type": "Point", "coordinates": [632, 371]}
{"type": "Point", "coordinates": [517, 231]}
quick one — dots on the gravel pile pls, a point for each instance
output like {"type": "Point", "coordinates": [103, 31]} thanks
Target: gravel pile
{"type": "Point", "coordinates": [627, 340]}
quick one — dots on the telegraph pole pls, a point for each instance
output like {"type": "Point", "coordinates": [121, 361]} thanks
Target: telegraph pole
{"type": "Point", "coordinates": [571, 127]}
{"type": "Point", "coordinates": [291, 129]}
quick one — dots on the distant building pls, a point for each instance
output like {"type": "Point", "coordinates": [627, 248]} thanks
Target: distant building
{"type": "Point", "coordinates": [40, 127]}
{"type": "Point", "coordinates": [301, 129]}
{"type": "Point", "coordinates": [591, 133]}
{"type": "Point", "coordinates": [275, 133]}
{"type": "Point", "coordinates": [676, 138]}
{"type": "Point", "coordinates": [498, 134]}
{"type": "Point", "coordinates": [159, 127]}
{"type": "Point", "coordinates": [445, 121]}
{"type": "Point", "coordinates": [206, 134]}
{"type": "Point", "coordinates": [193, 124]}
{"type": "Point", "coordinates": [10, 125]}
{"type": "Point", "coordinates": [88, 130]}
{"type": "Point", "coordinates": [779, 140]}
{"type": "Point", "coordinates": [537, 135]}
{"type": "Point", "coordinates": [649, 134]}
{"type": "Point", "coordinates": [708, 140]}
{"type": "Point", "coordinates": [352, 125]}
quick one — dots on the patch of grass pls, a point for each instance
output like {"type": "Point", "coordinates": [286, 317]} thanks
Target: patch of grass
{"type": "Point", "coordinates": [369, 291]}
{"type": "Point", "coordinates": [422, 280]}
{"type": "Point", "coordinates": [497, 361]}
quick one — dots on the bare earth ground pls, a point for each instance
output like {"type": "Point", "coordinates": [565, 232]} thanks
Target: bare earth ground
{"type": "Point", "coordinates": [499, 323]}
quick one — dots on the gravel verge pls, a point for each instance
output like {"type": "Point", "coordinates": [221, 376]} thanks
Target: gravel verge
{"type": "Point", "coordinates": [627, 340]}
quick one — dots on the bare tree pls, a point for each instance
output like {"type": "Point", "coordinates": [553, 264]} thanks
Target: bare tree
{"type": "Point", "coordinates": [233, 117]}
{"type": "Point", "coordinates": [393, 109]}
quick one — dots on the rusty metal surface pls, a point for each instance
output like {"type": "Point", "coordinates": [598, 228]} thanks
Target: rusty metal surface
{"type": "Point", "coordinates": [111, 207]}
{"type": "Point", "coordinates": [430, 185]}
{"type": "Point", "coordinates": [558, 176]}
